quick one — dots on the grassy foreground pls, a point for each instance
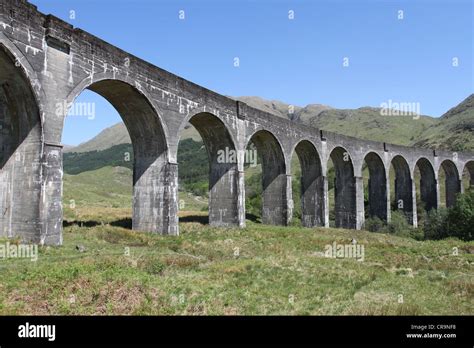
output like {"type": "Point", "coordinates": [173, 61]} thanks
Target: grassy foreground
{"type": "Point", "coordinates": [257, 270]}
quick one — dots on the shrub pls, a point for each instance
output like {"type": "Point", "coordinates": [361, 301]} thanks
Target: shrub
{"type": "Point", "coordinates": [435, 224]}
{"type": "Point", "coordinates": [460, 219]}
{"type": "Point", "coordinates": [374, 224]}
{"type": "Point", "coordinates": [153, 266]}
{"type": "Point", "coordinates": [398, 224]}
{"type": "Point", "coordinates": [400, 227]}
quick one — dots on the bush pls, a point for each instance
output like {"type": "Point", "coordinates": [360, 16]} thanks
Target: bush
{"type": "Point", "coordinates": [398, 224]}
{"type": "Point", "coordinates": [460, 219]}
{"type": "Point", "coordinates": [153, 266]}
{"type": "Point", "coordinates": [435, 224]}
{"type": "Point", "coordinates": [400, 227]}
{"type": "Point", "coordinates": [374, 224]}
{"type": "Point", "coordinates": [457, 221]}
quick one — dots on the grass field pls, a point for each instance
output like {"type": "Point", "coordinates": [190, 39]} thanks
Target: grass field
{"type": "Point", "coordinates": [105, 268]}
{"type": "Point", "coordinates": [257, 270]}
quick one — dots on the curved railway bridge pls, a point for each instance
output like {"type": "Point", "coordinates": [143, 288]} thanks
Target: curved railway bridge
{"type": "Point", "coordinates": [45, 64]}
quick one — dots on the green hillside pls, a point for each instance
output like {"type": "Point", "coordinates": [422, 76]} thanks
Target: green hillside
{"type": "Point", "coordinates": [367, 123]}
{"type": "Point", "coordinates": [117, 155]}
{"type": "Point", "coordinates": [454, 131]}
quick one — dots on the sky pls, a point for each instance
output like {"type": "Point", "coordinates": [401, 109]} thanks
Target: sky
{"type": "Point", "coordinates": [342, 53]}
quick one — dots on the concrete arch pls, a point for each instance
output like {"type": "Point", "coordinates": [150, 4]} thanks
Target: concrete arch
{"type": "Point", "coordinates": [453, 181]}
{"type": "Point", "coordinates": [223, 168]}
{"type": "Point", "coordinates": [404, 188]}
{"type": "Point", "coordinates": [204, 110]}
{"type": "Point", "coordinates": [21, 146]}
{"type": "Point", "coordinates": [275, 140]}
{"type": "Point", "coordinates": [345, 149]}
{"type": "Point", "coordinates": [88, 83]}
{"type": "Point", "coordinates": [344, 188]}
{"type": "Point", "coordinates": [428, 183]}
{"type": "Point", "coordinates": [21, 62]}
{"type": "Point", "coordinates": [469, 166]}
{"type": "Point", "coordinates": [275, 183]}
{"type": "Point", "coordinates": [359, 165]}
{"type": "Point", "coordinates": [377, 187]}
{"type": "Point", "coordinates": [312, 184]}
{"type": "Point", "coordinates": [154, 189]}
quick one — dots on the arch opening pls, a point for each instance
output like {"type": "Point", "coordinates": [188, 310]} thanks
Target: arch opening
{"type": "Point", "coordinates": [427, 187]}
{"type": "Point", "coordinates": [20, 152]}
{"type": "Point", "coordinates": [468, 176]}
{"type": "Point", "coordinates": [452, 183]}
{"type": "Point", "coordinates": [273, 197]}
{"type": "Point", "coordinates": [402, 185]}
{"type": "Point", "coordinates": [345, 210]}
{"type": "Point", "coordinates": [311, 185]}
{"type": "Point", "coordinates": [375, 182]}
{"type": "Point", "coordinates": [220, 182]}
{"type": "Point", "coordinates": [153, 177]}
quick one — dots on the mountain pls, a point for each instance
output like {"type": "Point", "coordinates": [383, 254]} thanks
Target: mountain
{"type": "Point", "coordinates": [275, 107]}
{"type": "Point", "coordinates": [115, 135]}
{"type": "Point", "coordinates": [118, 135]}
{"type": "Point", "coordinates": [454, 130]}
{"type": "Point", "coordinates": [368, 123]}
{"type": "Point", "coordinates": [365, 123]}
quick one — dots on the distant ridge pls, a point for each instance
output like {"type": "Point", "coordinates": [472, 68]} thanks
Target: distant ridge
{"type": "Point", "coordinates": [454, 130]}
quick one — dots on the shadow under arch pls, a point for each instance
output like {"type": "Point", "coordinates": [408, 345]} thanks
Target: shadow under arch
{"type": "Point", "coordinates": [452, 183]}
{"type": "Point", "coordinates": [312, 184]}
{"type": "Point", "coordinates": [154, 186]}
{"type": "Point", "coordinates": [274, 179]}
{"type": "Point", "coordinates": [403, 199]}
{"type": "Point", "coordinates": [377, 186]}
{"type": "Point", "coordinates": [469, 170]}
{"type": "Point", "coordinates": [20, 152]}
{"type": "Point", "coordinates": [428, 185]}
{"type": "Point", "coordinates": [344, 189]}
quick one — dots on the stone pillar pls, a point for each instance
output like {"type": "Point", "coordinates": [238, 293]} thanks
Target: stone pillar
{"type": "Point", "coordinates": [51, 209]}
{"type": "Point", "coordinates": [453, 186]}
{"type": "Point", "coordinates": [289, 200]}
{"type": "Point", "coordinates": [171, 204]}
{"type": "Point", "coordinates": [414, 212]}
{"type": "Point", "coordinates": [429, 191]}
{"type": "Point", "coordinates": [360, 211]}
{"type": "Point", "coordinates": [405, 197]}
{"type": "Point", "coordinates": [223, 194]}
{"type": "Point", "coordinates": [326, 201]}
{"type": "Point", "coordinates": [241, 198]}
{"type": "Point", "coordinates": [312, 202]}
{"type": "Point", "coordinates": [155, 199]}
{"type": "Point", "coordinates": [388, 199]}
{"type": "Point", "coordinates": [275, 203]}
{"type": "Point", "coordinates": [378, 205]}
{"type": "Point", "coordinates": [347, 204]}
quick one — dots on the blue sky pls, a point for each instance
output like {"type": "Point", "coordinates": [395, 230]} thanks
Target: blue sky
{"type": "Point", "coordinates": [298, 61]}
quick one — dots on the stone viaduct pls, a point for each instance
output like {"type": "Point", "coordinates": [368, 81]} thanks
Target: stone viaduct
{"type": "Point", "coordinates": [46, 63]}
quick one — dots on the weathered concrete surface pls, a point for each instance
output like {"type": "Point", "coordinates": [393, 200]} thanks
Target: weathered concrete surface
{"type": "Point", "coordinates": [45, 63]}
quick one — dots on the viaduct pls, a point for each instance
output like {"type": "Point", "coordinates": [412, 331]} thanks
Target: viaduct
{"type": "Point", "coordinates": [45, 62]}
